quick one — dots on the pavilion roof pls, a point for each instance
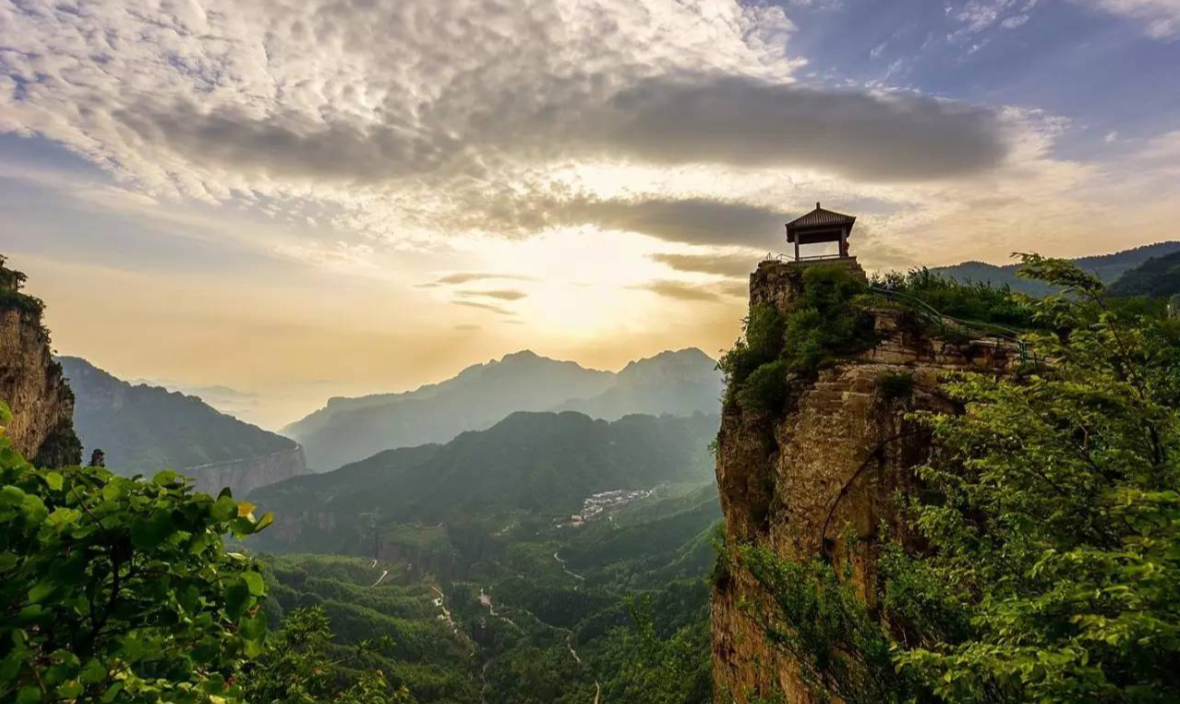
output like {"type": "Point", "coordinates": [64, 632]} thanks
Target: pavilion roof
{"type": "Point", "coordinates": [820, 218]}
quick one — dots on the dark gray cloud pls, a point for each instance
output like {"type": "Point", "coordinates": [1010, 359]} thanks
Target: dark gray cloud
{"type": "Point", "coordinates": [735, 265]}
{"type": "Point", "coordinates": [703, 221]}
{"type": "Point", "coordinates": [499, 294]}
{"type": "Point", "coordinates": [690, 119]}
{"type": "Point", "coordinates": [746, 122]}
{"type": "Point", "coordinates": [288, 145]}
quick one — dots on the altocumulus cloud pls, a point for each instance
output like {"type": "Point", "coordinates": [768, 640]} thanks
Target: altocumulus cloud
{"type": "Point", "coordinates": [371, 109]}
{"type": "Point", "coordinates": [700, 119]}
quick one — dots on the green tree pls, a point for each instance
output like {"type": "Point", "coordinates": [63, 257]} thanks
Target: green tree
{"type": "Point", "coordinates": [120, 590]}
{"type": "Point", "coordinates": [297, 668]}
{"type": "Point", "coordinates": [1053, 517]}
{"type": "Point", "coordinates": [1041, 562]}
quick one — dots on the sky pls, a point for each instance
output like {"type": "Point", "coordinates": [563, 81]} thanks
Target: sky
{"type": "Point", "coordinates": [294, 199]}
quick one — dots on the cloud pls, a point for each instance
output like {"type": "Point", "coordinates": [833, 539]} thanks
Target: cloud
{"type": "Point", "coordinates": [684, 119]}
{"type": "Point", "coordinates": [690, 292]}
{"type": "Point", "coordinates": [468, 277]}
{"type": "Point", "coordinates": [705, 221]}
{"type": "Point", "coordinates": [466, 328]}
{"type": "Point", "coordinates": [751, 123]}
{"type": "Point", "coordinates": [419, 121]}
{"type": "Point", "coordinates": [502, 294]}
{"type": "Point", "coordinates": [734, 265]}
{"type": "Point", "coordinates": [1162, 16]}
{"type": "Point", "coordinates": [484, 306]}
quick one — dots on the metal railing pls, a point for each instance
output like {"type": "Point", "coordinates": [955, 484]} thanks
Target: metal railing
{"type": "Point", "coordinates": [950, 323]}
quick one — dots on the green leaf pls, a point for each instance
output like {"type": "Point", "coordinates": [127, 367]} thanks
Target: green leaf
{"type": "Point", "coordinates": [112, 692]}
{"type": "Point", "coordinates": [253, 627]}
{"type": "Point", "coordinates": [41, 591]}
{"type": "Point", "coordinates": [267, 519]}
{"type": "Point", "coordinates": [10, 666]}
{"type": "Point", "coordinates": [93, 673]}
{"type": "Point", "coordinates": [62, 517]}
{"type": "Point", "coordinates": [11, 496]}
{"type": "Point", "coordinates": [29, 694]}
{"type": "Point", "coordinates": [224, 509]}
{"type": "Point", "coordinates": [255, 583]}
{"type": "Point", "coordinates": [70, 689]}
{"type": "Point", "coordinates": [149, 532]}
{"type": "Point", "coordinates": [54, 480]}
{"type": "Point", "coordinates": [237, 599]}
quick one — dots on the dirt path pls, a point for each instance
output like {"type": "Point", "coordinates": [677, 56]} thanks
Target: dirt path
{"type": "Point", "coordinates": [561, 562]}
{"type": "Point", "coordinates": [440, 602]}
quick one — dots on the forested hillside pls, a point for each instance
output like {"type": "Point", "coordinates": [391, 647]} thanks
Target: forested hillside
{"type": "Point", "coordinates": [1158, 277]}
{"type": "Point", "coordinates": [534, 466]}
{"type": "Point", "coordinates": [142, 429]}
{"type": "Point", "coordinates": [616, 609]}
{"type": "Point", "coordinates": [1107, 267]}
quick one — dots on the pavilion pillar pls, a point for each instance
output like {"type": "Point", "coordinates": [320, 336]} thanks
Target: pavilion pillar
{"type": "Point", "coordinates": [796, 249]}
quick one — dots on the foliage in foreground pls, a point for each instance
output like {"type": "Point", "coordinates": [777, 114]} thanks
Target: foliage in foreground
{"type": "Point", "coordinates": [116, 589]}
{"type": "Point", "coordinates": [1050, 532]}
{"type": "Point", "coordinates": [121, 589]}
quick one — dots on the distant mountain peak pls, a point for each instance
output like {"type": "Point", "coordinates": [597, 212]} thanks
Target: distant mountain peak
{"type": "Point", "coordinates": [677, 382]}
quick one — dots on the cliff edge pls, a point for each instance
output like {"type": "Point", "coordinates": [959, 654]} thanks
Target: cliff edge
{"type": "Point", "coordinates": [816, 477]}
{"type": "Point", "coordinates": [31, 382]}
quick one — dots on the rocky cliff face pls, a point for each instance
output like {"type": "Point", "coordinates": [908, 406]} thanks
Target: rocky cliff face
{"type": "Point", "coordinates": [143, 429]}
{"type": "Point", "coordinates": [32, 385]}
{"type": "Point", "coordinates": [245, 475]}
{"type": "Point", "coordinates": [804, 481]}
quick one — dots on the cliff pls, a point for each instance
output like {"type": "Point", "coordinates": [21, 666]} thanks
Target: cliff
{"type": "Point", "coordinates": [31, 383]}
{"type": "Point", "coordinates": [824, 469]}
{"type": "Point", "coordinates": [247, 474]}
{"type": "Point", "coordinates": [143, 429]}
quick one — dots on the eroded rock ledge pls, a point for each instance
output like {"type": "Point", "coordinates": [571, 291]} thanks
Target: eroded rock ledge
{"type": "Point", "coordinates": [827, 468]}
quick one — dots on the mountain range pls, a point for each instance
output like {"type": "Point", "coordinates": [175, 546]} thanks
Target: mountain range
{"type": "Point", "coordinates": [142, 429]}
{"type": "Point", "coordinates": [350, 429]}
{"type": "Point", "coordinates": [533, 465]}
{"type": "Point", "coordinates": [1108, 267]}
{"type": "Point", "coordinates": [1158, 277]}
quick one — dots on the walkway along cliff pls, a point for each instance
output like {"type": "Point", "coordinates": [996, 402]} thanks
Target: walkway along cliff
{"type": "Point", "coordinates": [815, 475]}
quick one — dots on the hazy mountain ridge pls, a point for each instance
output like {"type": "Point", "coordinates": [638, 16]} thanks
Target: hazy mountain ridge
{"type": "Point", "coordinates": [350, 429]}
{"type": "Point", "coordinates": [542, 464]}
{"type": "Point", "coordinates": [1108, 267]}
{"type": "Point", "coordinates": [681, 382]}
{"type": "Point", "coordinates": [143, 429]}
{"type": "Point", "coordinates": [1157, 277]}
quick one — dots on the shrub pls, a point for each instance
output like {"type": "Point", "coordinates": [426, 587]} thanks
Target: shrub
{"type": "Point", "coordinates": [765, 391]}
{"type": "Point", "coordinates": [762, 342]}
{"type": "Point", "coordinates": [826, 321]}
{"type": "Point", "coordinates": [894, 385]}
{"type": "Point", "coordinates": [975, 301]}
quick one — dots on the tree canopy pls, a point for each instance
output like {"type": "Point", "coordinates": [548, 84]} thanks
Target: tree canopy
{"type": "Point", "coordinates": [1043, 561]}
